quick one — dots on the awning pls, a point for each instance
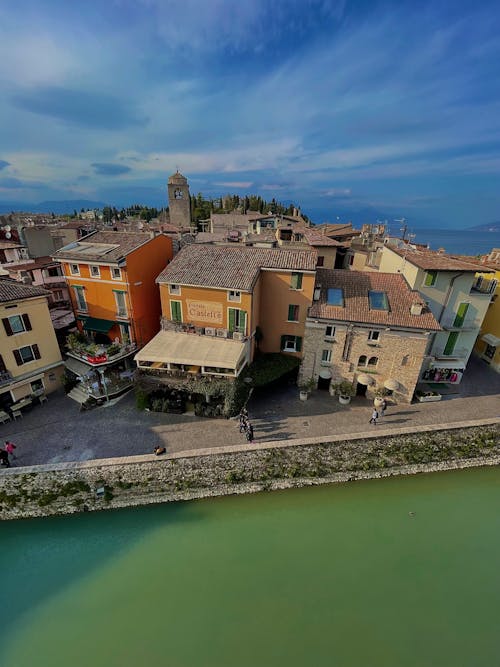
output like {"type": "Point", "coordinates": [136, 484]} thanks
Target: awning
{"type": "Point", "coordinates": [95, 324]}
{"type": "Point", "coordinates": [192, 350]}
{"type": "Point", "coordinates": [490, 339]}
{"type": "Point", "coordinates": [392, 385]}
{"type": "Point", "coordinates": [77, 367]}
{"type": "Point", "coordinates": [365, 379]}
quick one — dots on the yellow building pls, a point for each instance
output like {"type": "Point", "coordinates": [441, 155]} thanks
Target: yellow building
{"type": "Point", "coordinates": [488, 342]}
{"type": "Point", "coordinates": [30, 361]}
{"type": "Point", "coordinates": [220, 302]}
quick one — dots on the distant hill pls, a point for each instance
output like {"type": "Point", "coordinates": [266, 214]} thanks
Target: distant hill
{"type": "Point", "coordinates": [57, 207]}
{"type": "Point", "coordinates": [488, 227]}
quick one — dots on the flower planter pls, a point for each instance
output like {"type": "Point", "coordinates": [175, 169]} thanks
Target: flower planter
{"type": "Point", "coordinates": [429, 399]}
{"type": "Point", "coordinates": [303, 395]}
{"type": "Point", "coordinates": [344, 400]}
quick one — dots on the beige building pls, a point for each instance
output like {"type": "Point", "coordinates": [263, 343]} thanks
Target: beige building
{"type": "Point", "coordinates": [30, 360]}
{"type": "Point", "coordinates": [451, 290]}
{"type": "Point", "coordinates": [369, 329]}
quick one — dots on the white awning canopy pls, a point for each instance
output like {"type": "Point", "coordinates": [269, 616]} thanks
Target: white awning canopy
{"type": "Point", "coordinates": [457, 365]}
{"type": "Point", "coordinates": [365, 379]}
{"type": "Point", "coordinates": [391, 384]}
{"type": "Point", "coordinates": [192, 350]}
{"type": "Point", "coordinates": [490, 339]}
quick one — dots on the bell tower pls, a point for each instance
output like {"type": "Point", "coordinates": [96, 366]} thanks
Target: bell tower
{"type": "Point", "coordinates": [179, 203]}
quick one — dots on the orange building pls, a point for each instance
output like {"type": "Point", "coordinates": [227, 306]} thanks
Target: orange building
{"type": "Point", "coordinates": [219, 302]}
{"type": "Point", "coordinates": [111, 279]}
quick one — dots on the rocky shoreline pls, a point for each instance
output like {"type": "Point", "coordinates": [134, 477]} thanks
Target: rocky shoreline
{"type": "Point", "coordinates": [133, 481]}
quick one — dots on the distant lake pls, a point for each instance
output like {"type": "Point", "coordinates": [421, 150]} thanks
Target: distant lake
{"type": "Point", "coordinates": [459, 241]}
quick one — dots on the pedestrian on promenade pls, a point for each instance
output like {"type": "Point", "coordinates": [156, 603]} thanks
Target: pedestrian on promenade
{"type": "Point", "coordinates": [243, 420]}
{"type": "Point", "coordinates": [249, 432]}
{"type": "Point", "coordinates": [374, 417]}
{"type": "Point", "coordinates": [4, 458]}
{"type": "Point", "coordinates": [9, 448]}
{"type": "Point", "coordinates": [383, 407]}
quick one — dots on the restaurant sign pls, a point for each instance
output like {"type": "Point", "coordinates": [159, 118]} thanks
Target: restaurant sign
{"type": "Point", "coordinates": [205, 311]}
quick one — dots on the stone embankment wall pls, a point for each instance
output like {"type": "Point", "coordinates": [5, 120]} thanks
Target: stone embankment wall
{"type": "Point", "coordinates": [66, 488]}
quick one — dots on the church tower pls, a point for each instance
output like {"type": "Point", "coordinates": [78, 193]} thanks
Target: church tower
{"type": "Point", "coordinates": [179, 203]}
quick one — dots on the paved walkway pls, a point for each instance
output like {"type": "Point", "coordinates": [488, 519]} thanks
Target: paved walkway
{"type": "Point", "coordinates": [58, 431]}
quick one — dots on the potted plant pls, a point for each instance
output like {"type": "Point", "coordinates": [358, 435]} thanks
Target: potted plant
{"type": "Point", "coordinates": [380, 395]}
{"type": "Point", "coordinates": [345, 391]}
{"type": "Point", "coordinates": [305, 388]}
{"type": "Point", "coordinates": [427, 396]}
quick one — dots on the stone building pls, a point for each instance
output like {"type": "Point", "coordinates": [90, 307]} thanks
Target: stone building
{"type": "Point", "coordinates": [179, 203]}
{"type": "Point", "coordinates": [369, 329]}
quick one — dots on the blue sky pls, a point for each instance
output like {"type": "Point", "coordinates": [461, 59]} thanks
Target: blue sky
{"type": "Point", "coordinates": [334, 105]}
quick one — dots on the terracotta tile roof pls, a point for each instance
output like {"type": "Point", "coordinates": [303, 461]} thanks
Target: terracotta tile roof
{"type": "Point", "coordinates": [124, 242]}
{"type": "Point", "coordinates": [356, 285]}
{"type": "Point", "coordinates": [37, 263]}
{"type": "Point", "coordinates": [6, 245]}
{"type": "Point", "coordinates": [11, 290]}
{"type": "Point", "coordinates": [318, 239]}
{"type": "Point", "coordinates": [231, 267]}
{"type": "Point", "coordinates": [432, 260]}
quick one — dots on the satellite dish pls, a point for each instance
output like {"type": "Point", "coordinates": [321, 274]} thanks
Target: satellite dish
{"type": "Point", "coordinates": [7, 228]}
{"type": "Point", "coordinates": [8, 235]}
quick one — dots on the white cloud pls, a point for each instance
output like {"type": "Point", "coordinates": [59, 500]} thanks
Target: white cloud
{"type": "Point", "coordinates": [235, 184]}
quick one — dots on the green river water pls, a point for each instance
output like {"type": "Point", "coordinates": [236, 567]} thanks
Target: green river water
{"type": "Point", "coordinates": [399, 572]}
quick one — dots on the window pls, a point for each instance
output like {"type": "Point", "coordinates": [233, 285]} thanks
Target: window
{"type": "Point", "coordinates": [362, 360]}
{"type": "Point", "coordinates": [293, 313]}
{"type": "Point", "coordinates": [53, 271]}
{"type": "Point", "coordinates": [176, 311]}
{"type": "Point", "coordinates": [378, 300]}
{"type": "Point", "coordinates": [174, 289]}
{"type": "Point", "coordinates": [330, 331]}
{"type": "Point", "coordinates": [461, 313]}
{"type": "Point", "coordinates": [26, 354]}
{"type": "Point", "coordinates": [16, 324]}
{"type": "Point", "coordinates": [95, 272]}
{"type": "Point", "coordinates": [3, 367]}
{"type": "Point", "coordinates": [335, 296]}
{"type": "Point", "coordinates": [74, 269]}
{"type": "Point", "coordinates": [490, 351]}
{"type": "Point", "coordinates": [234, 295]}
{"type": "Point", "coordinates": [326, 356]}
{"type": "Point", "coordinates": [430, 278]}
{"type": "Point", "coordinates": [351, 260]}
{"type": "Point", "coordinates": [81, 304]}
{"type": "Point", "coordinates": [296, 282]}
{"type": "Point", "coordinates": [58, 295]}
{"type": "Point", "coordinates": [321, 261]}
{"type": "Point", "coordinates": [291, 343]}
{"type": "Point", "coordinates": [372, 361]}
{"type": "Point", "coordinates": [37, 385]}
{"type": "Point", "coordinates": [373, 336]}
{"type": "Point", "coordinates": [405, 359]}
{"type": "Point", "coordinates": [116, 273]}
{"type": "Point", "coordinates": [121, 303]}
{"type": "Point", "coordinates": [237, 320]}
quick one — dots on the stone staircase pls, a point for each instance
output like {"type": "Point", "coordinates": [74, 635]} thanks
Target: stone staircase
{"type": "Point", "coordinates": [78, 394]}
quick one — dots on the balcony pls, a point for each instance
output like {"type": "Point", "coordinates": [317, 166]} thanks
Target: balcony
{"type": "Point", "coordinates": [486, 286]}
{"type": "Point", "coordinates": [457, 353]}
{"type": "Point", "coordinates": [97, 355]}
{"type": "Point", "coordinates": [213, 332]}
{"type": "Point", "coordinates": [448, 324]}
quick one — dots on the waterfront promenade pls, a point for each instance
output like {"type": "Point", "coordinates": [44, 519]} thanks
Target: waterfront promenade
{"type": "Point", "coordinates": [58, 431]}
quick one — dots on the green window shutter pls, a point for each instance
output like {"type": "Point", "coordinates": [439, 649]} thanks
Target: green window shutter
{"type": "Point", "coordinates": [27, 323]}
{"type": "Point", "coordinates": [298, 343]}
{"type": "Point", "coordinates": [450, 343]}
{"type": "Point", "coordinates": [231, 318]}
{"type": "Point", "coordinates": [296, 282]}
{"type": "Point", "coordinates": [7, 327]}
{"type": "Point", "coordinates": [461, 312]}
{"type": "Point", "coordinates": [175, 308]}
{"type": "Point", "coordinates": [283, 342]}
{"type": "Point", "coordinates": [291, 310]}
{"type": "Point", "coordinates": [243, 321]}
{"type": "Point", "coordinates": [430, 278]}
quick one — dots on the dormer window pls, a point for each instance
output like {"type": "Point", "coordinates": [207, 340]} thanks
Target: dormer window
{"type": "Point", "coordinates": [174, 289]}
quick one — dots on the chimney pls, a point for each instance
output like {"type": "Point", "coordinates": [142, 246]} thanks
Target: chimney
{"type": "Point", "coordinates": [417, 308]}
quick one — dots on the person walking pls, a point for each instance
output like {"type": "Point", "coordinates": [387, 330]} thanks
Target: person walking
{"type": "Point", "coordinates": [383, 407]}
{"type": "Point", "coordinates": [9, 448]}
{"type": "Point", "coordinates": [249, 432]}
{"type": "Point", "coordinates": [4, 458]}
{"type": "Point", "coordinates": [374, 416]}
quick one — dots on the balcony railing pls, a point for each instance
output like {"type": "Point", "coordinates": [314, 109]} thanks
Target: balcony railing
{"type": "Point", "coordinates": [484, 285]}
{"type": "Point", "coordinates": [101, 354]}
{"type": "Point", "coordinates": [457, 353]}
{"type": "Point", "coordinates": [467, 325]}
{"type": "Point", "coordinates": [214, 332]}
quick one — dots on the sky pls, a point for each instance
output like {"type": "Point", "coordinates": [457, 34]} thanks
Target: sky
{"type": "Point", "coordinates": [333, 105]}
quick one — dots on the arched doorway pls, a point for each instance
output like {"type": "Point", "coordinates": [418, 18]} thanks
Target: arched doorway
{"type": "Point", "coordinates": [361, 389]}
{"type": "Point", "coordinates": [324, 379]}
